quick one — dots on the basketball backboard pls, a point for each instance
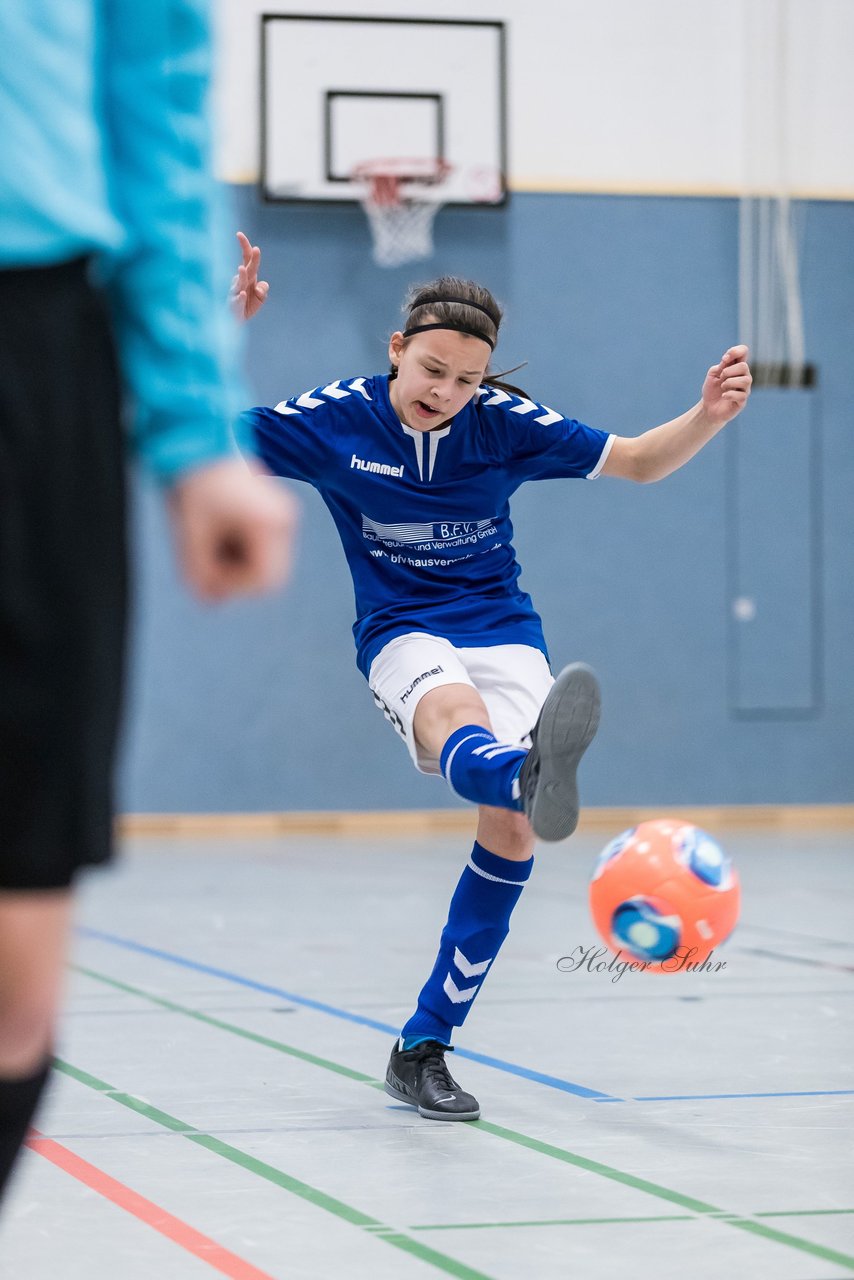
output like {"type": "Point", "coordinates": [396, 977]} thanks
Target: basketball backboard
{"type": "Point", "coordinates": [338, 92]}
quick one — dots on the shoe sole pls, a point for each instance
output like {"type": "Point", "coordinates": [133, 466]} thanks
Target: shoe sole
{"type": "Point", "coordinates": [425, 1112]}
{"type": "Point", "coordinates": [566, 727]}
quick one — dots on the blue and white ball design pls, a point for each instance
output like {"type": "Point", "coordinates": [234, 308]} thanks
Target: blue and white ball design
{"type": "Point", "coordinates": [610, 852]}
{"type": "Point", "coordinates": [640, 927]}
{"type": "Point", "coordinates": [697, 851]}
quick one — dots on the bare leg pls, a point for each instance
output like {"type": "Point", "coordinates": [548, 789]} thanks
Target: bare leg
{"type": "Point", "coordinates": [33, 941]}
{"type": "Point", "coordinates": [34, 929]}
{"type": "Point", "coordinates": [445, 709]}
{"type": "Point", "coordinates": [505, 833]}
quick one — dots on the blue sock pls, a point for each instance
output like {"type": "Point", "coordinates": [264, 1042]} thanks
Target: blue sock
{"type": "Point", "coordinates": [478, 923]}
{"type": "Point", "coordinates": [480, 768]}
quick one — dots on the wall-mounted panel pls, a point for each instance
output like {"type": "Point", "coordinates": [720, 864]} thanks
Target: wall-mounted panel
{"type": "Point", "coordinates": [773, 535]}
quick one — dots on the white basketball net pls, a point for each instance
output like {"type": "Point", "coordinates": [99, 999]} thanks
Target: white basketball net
{"type": "Point", "coordinates": [399, 214]}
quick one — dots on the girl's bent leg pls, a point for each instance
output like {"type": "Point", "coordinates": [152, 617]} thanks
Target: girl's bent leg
{"type": "Point", "coordinates": [452, 723]}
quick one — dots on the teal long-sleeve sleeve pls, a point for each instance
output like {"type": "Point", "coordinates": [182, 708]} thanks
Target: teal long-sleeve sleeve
{"type": "Point", "coordinates": [106, 151]}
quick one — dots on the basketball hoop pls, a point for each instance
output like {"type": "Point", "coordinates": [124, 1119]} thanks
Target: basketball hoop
{"type": "Point", "coordinates": [400, 207]}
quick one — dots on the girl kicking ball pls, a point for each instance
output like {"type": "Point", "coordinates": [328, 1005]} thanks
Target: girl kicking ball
{"type": "Point", "coordinates": [417, 467]}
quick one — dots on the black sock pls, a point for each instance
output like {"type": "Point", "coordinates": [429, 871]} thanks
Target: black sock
{"type": "Point", "coordinates": [18, 1101]}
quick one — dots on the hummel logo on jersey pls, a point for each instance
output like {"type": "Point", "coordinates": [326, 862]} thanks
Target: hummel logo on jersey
{"type": "Point", "coordinates": [378, 468]}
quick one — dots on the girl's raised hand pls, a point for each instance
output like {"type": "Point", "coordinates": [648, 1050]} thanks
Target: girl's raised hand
{"type": "Point", "coordinates": [727, 386]}
{"type": "Point", "coordinates": [247, 294]}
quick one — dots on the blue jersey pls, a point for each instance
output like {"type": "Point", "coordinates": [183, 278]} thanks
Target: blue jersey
{"type": "Point", "coordinates": [424, 516]}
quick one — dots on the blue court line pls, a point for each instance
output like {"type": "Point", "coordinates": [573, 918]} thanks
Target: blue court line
{"type": "Point", "coordinates": [512, 1068]}
{"type": "Point", "coordinates": [553, 1082]}
{"type": "Point", "coordinates": [698, 1097]}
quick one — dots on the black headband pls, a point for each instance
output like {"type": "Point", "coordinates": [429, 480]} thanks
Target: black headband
{"type": "Point", "coordinates": [463, 302]}
{"type": "Point", "coordinates": [450, 324]}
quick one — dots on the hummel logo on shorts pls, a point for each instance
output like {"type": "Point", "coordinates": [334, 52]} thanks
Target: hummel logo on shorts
{"type": "Point", "coordinates": [434, 671]}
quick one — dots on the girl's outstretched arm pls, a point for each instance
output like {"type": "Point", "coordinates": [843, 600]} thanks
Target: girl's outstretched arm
{"type": "Point", "coordinates": [661, 450]}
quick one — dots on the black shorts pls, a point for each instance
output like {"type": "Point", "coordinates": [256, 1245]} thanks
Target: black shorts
{"type": "Point", "coordinates": [63, 575]}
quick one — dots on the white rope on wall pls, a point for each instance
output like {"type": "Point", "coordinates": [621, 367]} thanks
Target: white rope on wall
{"type": "Point", "coordinates": [770, 222]}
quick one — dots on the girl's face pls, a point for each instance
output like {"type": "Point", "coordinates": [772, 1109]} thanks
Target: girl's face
{"type": "Point", "coordinates": [437, 374]}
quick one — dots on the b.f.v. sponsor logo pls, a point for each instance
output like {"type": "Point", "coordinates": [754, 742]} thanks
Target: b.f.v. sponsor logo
{"type": "Point", "coordinates": [439, 535]}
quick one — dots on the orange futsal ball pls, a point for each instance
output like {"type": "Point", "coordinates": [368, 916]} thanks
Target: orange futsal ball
{"type": "Point", "coordinates": [664, 893]}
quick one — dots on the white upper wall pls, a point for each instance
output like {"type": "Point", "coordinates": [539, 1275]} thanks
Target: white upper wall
{"type": "Point", "coordinates": [626, 95]}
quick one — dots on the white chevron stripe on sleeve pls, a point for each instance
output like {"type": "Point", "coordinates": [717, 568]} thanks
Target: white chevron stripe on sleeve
{"type": "Point", "coordinates": [308, 401]}
{"type": "Point", "coordinates": [466, 968]}
{"type": "Point", "coordinates": [335, 390]}
{"type": "Point", "coordinates": [454, 994]}
{"type": "Point", "coordinates": [358, 384]}
{"type": "Point", "coordinates": [499, 397]}
{"type": "Point", "coordinates": [550, 416]}
{"type": "Point", "coordinates": [524, 406]}
{"type": "Point", "coordinates": [283, 407]}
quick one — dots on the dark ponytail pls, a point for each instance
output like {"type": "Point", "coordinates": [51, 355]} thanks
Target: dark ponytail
{"type": "Point", "coordinates": [498, 382]}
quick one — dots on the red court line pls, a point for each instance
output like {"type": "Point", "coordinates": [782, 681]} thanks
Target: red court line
{"type": "Point", "coordinates": [228, 1264]}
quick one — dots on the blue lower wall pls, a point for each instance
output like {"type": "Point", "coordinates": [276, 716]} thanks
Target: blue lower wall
{"type": "Point", "coordinates": [619, 304]}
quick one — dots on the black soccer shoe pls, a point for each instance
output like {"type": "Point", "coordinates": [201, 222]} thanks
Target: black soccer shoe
{"type": "Point", "coordinates": [420, 1077]}
{"type": "Point", "coordinates": [563, 732]}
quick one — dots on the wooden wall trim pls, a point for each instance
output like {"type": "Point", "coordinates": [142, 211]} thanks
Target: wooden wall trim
{"type": "Point", "coordinates": [415, 822]}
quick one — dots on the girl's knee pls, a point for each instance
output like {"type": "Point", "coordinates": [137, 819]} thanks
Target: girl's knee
{"type": "Point", "coordinates": [445, 709]}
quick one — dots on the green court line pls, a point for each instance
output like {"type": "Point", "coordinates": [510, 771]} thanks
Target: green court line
{"type": "Point", "coordinates": [211, 1021]}
{"type": "Point", "coordinates": [598, 1222]}
{"type": "Point", "coordinates": [550, 1222]}
{"type": "Point", "coordinates": [799, 1213]}
{"type": "Point", "coordinates": [603, 1170]}
{"type": "Point", "coordinates": [697, 1207]}
{"type": "Point", "coordinates": [674, 1197]}
{"type": "Point", "coordinates": [277, 1176]}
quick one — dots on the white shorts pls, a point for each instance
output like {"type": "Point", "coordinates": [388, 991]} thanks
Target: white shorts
{"type": "Point", "coordinates": [512, 679]}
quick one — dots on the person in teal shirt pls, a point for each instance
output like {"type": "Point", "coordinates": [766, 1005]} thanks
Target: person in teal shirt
{"type": "Point", "coordinates": [115, 330]}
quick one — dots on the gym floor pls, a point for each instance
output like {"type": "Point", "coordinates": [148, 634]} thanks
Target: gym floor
{"type": "Point", "coordinates": [217, 1108]}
